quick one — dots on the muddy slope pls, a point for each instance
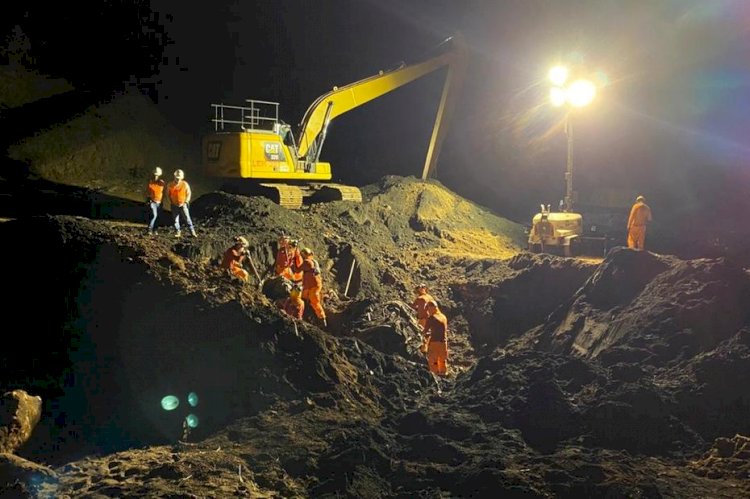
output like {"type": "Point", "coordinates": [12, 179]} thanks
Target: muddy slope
{"type": "Point", "coordinates": [289, 410]}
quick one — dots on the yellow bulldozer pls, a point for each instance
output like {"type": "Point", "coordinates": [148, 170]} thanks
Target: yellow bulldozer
{"type": "Point", "coordinates": [257, 153]}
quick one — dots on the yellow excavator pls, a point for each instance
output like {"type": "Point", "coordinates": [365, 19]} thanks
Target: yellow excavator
{"type": "Point", "coordinates": [256, 153]}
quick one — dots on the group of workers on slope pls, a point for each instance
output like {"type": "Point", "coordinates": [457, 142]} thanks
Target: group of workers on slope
{"type": "Point", "coordinates": [302, 270]}
{"type": "Point", "coordinates": [179, 196]}
{"type": "Point", "coordinates": [297, 266]}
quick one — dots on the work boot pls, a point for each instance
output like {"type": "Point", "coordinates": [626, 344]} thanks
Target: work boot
{"type": "Point", "coordinates": [192, 233]}
{"type": "Point", "coordinates": [178, 234]}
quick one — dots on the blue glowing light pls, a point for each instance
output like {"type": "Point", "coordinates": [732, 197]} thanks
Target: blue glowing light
{"type": "Point", "coordinates": [169, 403]}
{"type": "Point", "coordinates": [192, 399]}
{"type": "Point", "coordinates": [192, 420]}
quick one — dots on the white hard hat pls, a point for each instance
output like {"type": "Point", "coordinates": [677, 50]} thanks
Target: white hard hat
{"type": "Point", "coordinates": [242, 240]}
{"type": "Point", "coordinates": [179, 174]}
{"type": "Point", "coordinates": [157, 171]}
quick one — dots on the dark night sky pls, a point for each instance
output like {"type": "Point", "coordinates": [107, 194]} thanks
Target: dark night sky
{"type": "Point", "coordinates": [671, 122]}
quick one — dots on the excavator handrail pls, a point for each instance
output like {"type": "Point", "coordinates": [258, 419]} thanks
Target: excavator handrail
{"type": "Point", "coordinates": [343, 99]}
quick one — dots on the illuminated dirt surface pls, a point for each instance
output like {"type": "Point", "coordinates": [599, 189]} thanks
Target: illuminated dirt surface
{"type": "Point", "coordinates": [569, 377]}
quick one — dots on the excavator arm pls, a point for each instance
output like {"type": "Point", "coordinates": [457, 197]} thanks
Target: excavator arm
{"type": "Point", "coordinates": [343, 99]}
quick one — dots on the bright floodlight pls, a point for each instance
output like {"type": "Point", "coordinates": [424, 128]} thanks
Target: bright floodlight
{"type": "Point", "coordinates": [558, 75]}
{"type": "Point", "coordinates": [581, 93]}
{"type": "Point", "coordinates": [557, 96]}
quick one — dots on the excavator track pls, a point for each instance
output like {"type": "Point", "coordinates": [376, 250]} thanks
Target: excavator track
{"type": "Point", "coordinates": [338, 192]}
{"type": "Point", "coordinates": [288, 196]}
{"type": "Point", "coordinates": [293, 196]}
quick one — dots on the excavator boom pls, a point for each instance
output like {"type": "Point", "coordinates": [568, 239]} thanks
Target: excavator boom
{"type": "Point", "coordinates": [343, 99]}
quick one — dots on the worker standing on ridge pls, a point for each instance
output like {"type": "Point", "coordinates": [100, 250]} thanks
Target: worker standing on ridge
{"type": "Point", "coordinates": [154, 194]}
{"type": "Point", "coordinates": [436, 335]}
{"type": "Point", "coordinates": [288, 256]}
{"type": "Point", "coordinates": [179, 196]}
{"type": "Point", "coordinates": [294, 305]}
{"type": "Point", "coordinates": [640, 216]}
{"type": "Point", "coordinates": [233, 258]}
{"type": "Point", "coordinates": [312, 283]}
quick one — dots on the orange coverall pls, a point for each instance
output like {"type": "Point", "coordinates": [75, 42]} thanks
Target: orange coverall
{"type": "Point", "coordinates": [312, 285]}
{"type": "Point", "coordinates": [286, 259]}
{"type": "Point", "coordinates": [640, 215]}
{"type": "Point", "coordinates": [436, 328]}
{"type": "Point", "coordinates": [294, 307]}
{"type": "Point", "coordinates": [233, 258]}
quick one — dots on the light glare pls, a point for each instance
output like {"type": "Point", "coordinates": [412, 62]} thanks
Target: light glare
{"type": "Point", "coordinates": [192, 421]}
{"type": "Point", "coordinates": [581, 93]}
{"type": "Point", "coordinates": [557, 96]}
{"type": "Point", "coordinates": [169, 402]}
{"type": "Point", "coordinates": [192, 399]}
{"type": "Point", "coordinates": [558, 75]}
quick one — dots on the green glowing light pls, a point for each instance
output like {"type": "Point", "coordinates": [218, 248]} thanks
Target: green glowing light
{"type": "Point", "coordinates": [170, 403]}
{"type": "Point", "coordinates": [192, 420]}
{"type": "Point", "coordinates": [192, 399]}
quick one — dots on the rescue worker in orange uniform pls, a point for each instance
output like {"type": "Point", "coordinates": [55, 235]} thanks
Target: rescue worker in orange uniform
{"type": "Point", "coordinates": [154, 195]}
{"type": "Point", "coordinates": [312, 283]}
{"type": "Point", "coordinates": [179, 196]}
{"type": "Point", "coordinates": [288, 256]}
{"type": "Point", "coordinates": [640, 216]}
{"type": "Point", "coordinates": [436, 334]}
{"type": "Point", "coordinates": [420, 304]}
{"type": "Point", "coordinates": [233, 258]}
{"type": "Point", "coordinates": [294, 305]}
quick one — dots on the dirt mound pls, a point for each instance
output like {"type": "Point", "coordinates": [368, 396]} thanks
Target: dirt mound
{"type": "Point", "coordinates": [111, 145]}
{"type": "Point", "coordinates": [22, 86]}
{"type": "Point", "coordinates": [642, 307]}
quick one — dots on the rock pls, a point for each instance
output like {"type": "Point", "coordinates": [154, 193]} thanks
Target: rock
{"type": "Point", "coordinates": [19, 414]}
{"type": "Point", "coordinates": [16, 472]}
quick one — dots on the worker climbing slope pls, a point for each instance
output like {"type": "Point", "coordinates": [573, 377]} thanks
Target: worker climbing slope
{"type": "Point", "coordinates": [288, 256]}
{"type": "Point", "coordinates": [436, 336]}
{"type": "Point", "coordinates": [294, 306]}
{"type": "Point", "coordinates": [312, 283]}
{"type": "Point", "coordinates": [420, 303]}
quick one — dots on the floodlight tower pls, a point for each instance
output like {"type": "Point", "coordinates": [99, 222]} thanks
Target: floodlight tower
{"type": "Point", "coordinates": [572, 94]}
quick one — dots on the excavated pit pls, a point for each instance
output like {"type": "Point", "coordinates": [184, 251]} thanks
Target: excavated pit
{"type": "Point", "coordinates": [129, 319]}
